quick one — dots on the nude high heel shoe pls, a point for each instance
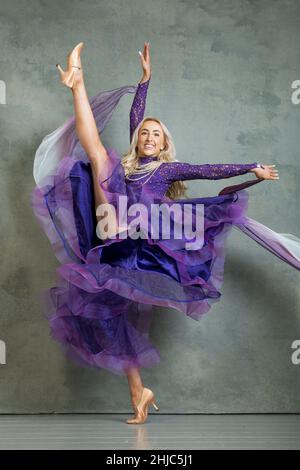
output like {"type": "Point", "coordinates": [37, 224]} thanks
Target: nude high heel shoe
{"type": "Point", "coordinates": [74, 69]}
{"type": "Point", "coordinates": [147, 399]}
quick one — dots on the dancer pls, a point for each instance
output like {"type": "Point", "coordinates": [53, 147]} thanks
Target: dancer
{"type": "Point", "coordinates": [101, 308]}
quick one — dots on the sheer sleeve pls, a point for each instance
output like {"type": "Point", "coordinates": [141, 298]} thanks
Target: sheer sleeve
{"type": "Point", "coordinates": [178, 171]}
{"type": "Point", "coordinates": [138, 106]}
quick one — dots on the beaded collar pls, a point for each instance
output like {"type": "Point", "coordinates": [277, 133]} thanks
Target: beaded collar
{"type": "Point", "coordinates": [143, 160]}
{"type": "Point", "coordinates": [147, 159]}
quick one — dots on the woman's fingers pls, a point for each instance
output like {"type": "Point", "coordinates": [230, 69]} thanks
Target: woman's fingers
{"type": "Point", "coordinates": [274, 175]}
{"type": "Point", "coordinates": [147, 46]}
{"type": "Point", "coordinates": [272, 172]}
{"type": "Point", "coordinates": [145, 50]}
{"type": "Point", "coordinates": [145, 55]}
{"type": "Point", "coordinates": [145, 59]}
{"type": "Point", "coordinates": [142, 57]}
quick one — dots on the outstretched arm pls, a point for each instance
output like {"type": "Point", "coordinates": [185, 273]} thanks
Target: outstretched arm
{"type": "Point", "coordinates": [137, 110]}
{"type": "Point", "coordinates": [177, 171]}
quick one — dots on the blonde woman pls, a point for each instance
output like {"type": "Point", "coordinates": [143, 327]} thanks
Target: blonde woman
{"type": "Point", "coordinates": [100, 310]}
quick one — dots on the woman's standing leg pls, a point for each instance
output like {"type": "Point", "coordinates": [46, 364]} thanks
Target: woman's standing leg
{"type": "Point", "coordinates": [135, 385]}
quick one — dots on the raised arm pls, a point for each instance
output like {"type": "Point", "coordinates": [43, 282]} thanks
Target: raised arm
{"type": "Point", "coordinates": [137, 110]}
{"type": "Point", "coordinates": [178, 171]}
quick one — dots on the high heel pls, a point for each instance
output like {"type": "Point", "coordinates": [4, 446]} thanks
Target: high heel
{"type": "Point", "coordinates": [147, 399]}
{"type": "Point", "coordinates": [155, 406]}
{"type": "Point", "coordinates": [74, 68]}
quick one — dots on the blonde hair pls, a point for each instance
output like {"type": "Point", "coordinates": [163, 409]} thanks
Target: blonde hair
{"type": "Point", "coordinates": [130, 160]}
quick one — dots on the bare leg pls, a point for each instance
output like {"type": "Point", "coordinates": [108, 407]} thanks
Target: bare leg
{"type": "Point", "coordinates": [87, 131]}
{"type": "Point", "coordinates": [86, 128]}
{"type": "Point", "coordinates": [135, 385]}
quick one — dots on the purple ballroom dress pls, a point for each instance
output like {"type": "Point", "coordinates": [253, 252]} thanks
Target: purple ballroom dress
{"type": "Point", "coordinates": [100, 309]}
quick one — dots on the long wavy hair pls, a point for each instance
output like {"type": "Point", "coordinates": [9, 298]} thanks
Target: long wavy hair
{"type": "Point", "coordinates": [130, 160]}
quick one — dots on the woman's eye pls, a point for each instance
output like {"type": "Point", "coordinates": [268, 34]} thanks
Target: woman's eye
{"type": "Point", "coordinates": [144, 133]}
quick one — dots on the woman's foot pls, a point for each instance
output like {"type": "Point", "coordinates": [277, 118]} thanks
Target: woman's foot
{"type": "Point", "coordinates": [147, 398]}
{"type": "Point", "coordinates": [73, 75]}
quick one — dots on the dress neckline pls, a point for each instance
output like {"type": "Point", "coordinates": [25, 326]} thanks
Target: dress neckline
{"type": "Point", "coordinates": [147, 159]}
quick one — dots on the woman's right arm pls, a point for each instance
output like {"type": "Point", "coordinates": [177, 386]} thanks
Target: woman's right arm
{"type": "Point", "coordinates": [137, 110]}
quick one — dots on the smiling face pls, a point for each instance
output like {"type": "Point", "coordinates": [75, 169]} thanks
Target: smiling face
{"type": "Point", "coordinates": [150, 139]}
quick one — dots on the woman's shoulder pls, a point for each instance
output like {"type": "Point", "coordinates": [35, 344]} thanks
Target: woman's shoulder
{"type": "Point", "coordinates": [170, 163]}
{"type": "Point", "coordinates": [166, 169]}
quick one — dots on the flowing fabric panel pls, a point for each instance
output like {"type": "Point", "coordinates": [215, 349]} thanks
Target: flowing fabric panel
{"type": "Point", "coordinates": [100, 310]}
{"type": "Point", "coordinates": [283, 245]}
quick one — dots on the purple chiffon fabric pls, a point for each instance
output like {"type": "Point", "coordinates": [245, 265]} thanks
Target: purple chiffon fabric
{"type": "Point", "coordinates": [100, 309]}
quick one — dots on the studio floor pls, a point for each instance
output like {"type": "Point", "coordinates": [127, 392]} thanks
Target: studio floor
{"type": "Point", "coordinates": [184, 432]}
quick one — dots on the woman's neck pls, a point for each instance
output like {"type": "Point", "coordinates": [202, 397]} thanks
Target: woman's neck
{"type": "Point", "coordinates": [147, 158]}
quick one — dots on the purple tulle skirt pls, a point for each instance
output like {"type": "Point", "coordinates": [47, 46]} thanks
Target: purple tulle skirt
{"type": "Point", "coordinates": [100, 309]}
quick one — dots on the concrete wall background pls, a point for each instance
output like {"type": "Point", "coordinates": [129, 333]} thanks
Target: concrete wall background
{"type": "Point", "coordinates": [222, 74]}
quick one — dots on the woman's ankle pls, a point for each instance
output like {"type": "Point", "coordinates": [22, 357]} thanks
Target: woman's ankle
{"type": "Point", "coordinates": [136, 393]}
{"type": "Point", "coordinates": [79, 87]}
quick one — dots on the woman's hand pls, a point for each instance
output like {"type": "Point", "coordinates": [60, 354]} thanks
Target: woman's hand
{"type": "Point", "coordinates": [145, 61]}
{"type": "Point", "coordinates": [268, 172]}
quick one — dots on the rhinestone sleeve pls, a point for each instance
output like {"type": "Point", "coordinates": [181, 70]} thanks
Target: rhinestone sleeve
{"type": "Point", "coordinates": [138, 106]}
{"type": "Point", "coordinates": [178, 171]}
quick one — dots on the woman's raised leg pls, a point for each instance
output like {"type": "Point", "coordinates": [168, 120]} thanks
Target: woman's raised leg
{"type": "Point", "coordinates": [86, 128]}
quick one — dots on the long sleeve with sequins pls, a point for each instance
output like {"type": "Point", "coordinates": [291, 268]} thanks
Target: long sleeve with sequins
{"type": "Point", "coordinates": [178, 171]}
{"type": "Point", "coordinates": [137, 110]}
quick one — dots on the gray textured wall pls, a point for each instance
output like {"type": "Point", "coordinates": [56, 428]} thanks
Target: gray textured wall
{"type": "Point", "coordinates": [222, 74]}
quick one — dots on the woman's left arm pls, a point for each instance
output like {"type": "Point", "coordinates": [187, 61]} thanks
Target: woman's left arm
{"type": "Point", "coordinates": [137, 110]}
{"type": "Point", "coordinates": [177, 171]}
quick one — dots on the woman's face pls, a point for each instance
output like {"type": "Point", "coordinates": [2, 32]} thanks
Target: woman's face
{"type": "Point", "coordinates": [150, 139]}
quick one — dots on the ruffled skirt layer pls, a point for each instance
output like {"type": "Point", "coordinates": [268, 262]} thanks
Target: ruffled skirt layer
{"type": "Point", "coordinates": [100, 309]}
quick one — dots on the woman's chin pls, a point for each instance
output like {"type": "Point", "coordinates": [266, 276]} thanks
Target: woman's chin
{"type": "Point", "coordinates": [149, 154]}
